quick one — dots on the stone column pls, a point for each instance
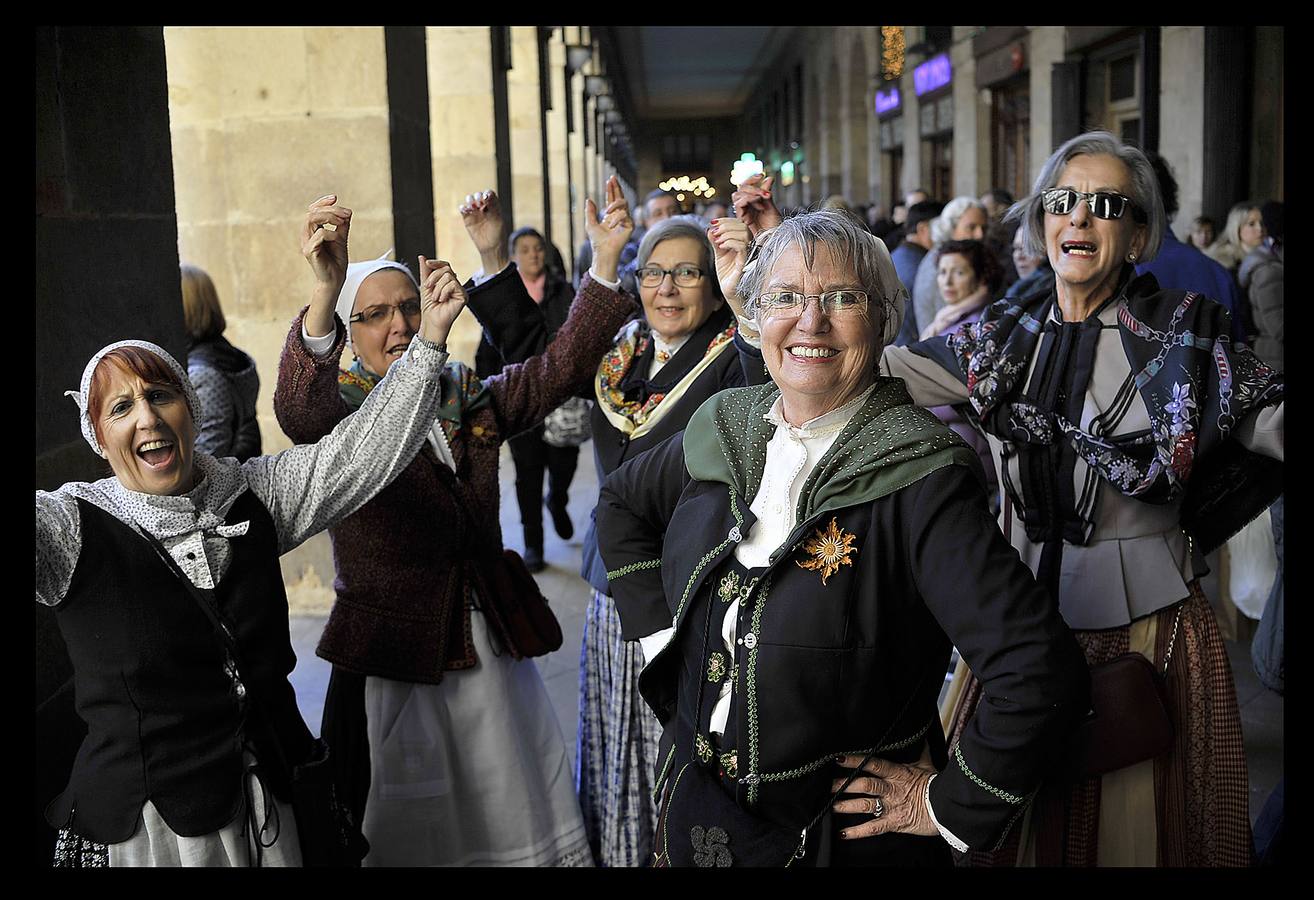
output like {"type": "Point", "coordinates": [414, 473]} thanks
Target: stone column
{"type": "Point", "coordinates": [1181, 117]}
{"type": "Point", "coordinates": [1045, 48]}
{"type": "Point", "coordinates": [912, 135]}
{"type": "Point", "coordinates": [563, 216]}
{"type": "Point", "coordinates": [526, 129]}
{"type": "Point", "coordinates": [464, 158]}
{"type": "Point", "coordinates": [971, 119]}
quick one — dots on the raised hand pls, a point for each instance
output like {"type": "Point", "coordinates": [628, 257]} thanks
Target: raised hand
{"type": "Point", "coordinates": [324, 245]}
{"type": "Point", "coordinates": [481, 213]}
{"type": "Point", "coordinates": [753, 204]}
{"type": "Point", "coordinates": [731, 239]}
{"type": "Point", "coordinates": [441, 299]}
{"type": "Point", "coordinates": [610, 235]}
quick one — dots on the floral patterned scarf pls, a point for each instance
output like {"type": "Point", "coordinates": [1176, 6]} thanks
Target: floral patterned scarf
{"type": "Point", "coordinates": [632, 344]}
{"type": "Point", "coordinates": [1195, 382]}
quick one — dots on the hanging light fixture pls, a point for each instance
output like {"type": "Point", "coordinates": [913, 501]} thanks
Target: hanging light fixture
{"type": "Point", "coordinates": [577, 56]}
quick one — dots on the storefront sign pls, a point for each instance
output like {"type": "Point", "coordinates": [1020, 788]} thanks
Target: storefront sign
{"type": "Point", "coordinates": [935, 73]}
{"type": "Point", "coordinates": [887, 101]}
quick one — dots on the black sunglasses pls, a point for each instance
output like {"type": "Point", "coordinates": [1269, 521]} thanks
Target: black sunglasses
{"type": "Point", "coordinates": [1102, 204]}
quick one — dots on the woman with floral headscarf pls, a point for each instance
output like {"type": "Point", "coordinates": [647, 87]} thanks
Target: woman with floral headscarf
{"type": "Point", "coordinates": [191, 739]}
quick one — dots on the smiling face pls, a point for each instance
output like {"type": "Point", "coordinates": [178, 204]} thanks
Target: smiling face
{"type": "Point", "coordinates": [819, 361]}
{"type": "Point", "coordinates": [530, 256]}
{"type": "Point", "coordinates": [146, 431]}
{"type": "Point", "coordinates": [1087, 253]}
{"type": "Point", "coordinates": [971, 225]}
{"type": "Point", "coordinates": [956, 278]}
{"type": "Point", "coordinates": [1252, 230]}
{"type": "Point", "coordinates": [673, 311]}
{"type": "Point", "coordinates": [379, 346]}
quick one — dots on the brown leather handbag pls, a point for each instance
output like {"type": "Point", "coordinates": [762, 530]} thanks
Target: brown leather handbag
{"type": "Point", "coordinates": [516, 608]}
{"type": "Point", "coordinates": [1128, 721]}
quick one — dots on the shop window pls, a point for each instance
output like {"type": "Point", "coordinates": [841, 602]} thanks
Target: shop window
{"type": "Point", "coordinates": [1011, 136]}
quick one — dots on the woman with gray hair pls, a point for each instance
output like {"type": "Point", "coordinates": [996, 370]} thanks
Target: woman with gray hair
{"type": "Point", "coordinates": [963, 219]}
{"type": "Point", "coordinates": [660, 369]}
{"type": "Point", "coordinates": [798, 564]}
{"type": "Point", "coordinates": [1134, 437]}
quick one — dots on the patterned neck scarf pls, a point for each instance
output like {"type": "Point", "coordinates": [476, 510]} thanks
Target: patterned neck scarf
{"type": "Point", "coordinates": [462, 392]}
{"type": "Point", "coordinates": [621, 382]}
{"type": "Point", "coordinates": [1196, 385]}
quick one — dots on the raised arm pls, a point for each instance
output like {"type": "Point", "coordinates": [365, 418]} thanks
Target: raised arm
{"type": "Point", "coordinates": [58, 545]}
{"type": "Point", "coordinates": [524, 393]}
{"type": "Point", "coordinates": [313, 486]}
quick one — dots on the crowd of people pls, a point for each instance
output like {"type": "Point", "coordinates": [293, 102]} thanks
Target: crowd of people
{"type": "Point", "coordinates": [838, 454]}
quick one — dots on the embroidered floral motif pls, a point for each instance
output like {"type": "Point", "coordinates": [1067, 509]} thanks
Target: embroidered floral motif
{"type": "Point", "coordinates": [703, 747]}
{"type": "Point", "coordinates": [730, 763]}
{"type": "Point", "coordinates": [711, 847]}
{"type": "Point", "coordinates": [716, 667]}
{"type": "Point", "coordinates": [829, 548]}
{"type": "Point", "coordinates": [729, 587]}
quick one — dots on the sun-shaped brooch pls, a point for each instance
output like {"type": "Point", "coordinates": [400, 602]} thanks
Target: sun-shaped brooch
{"type": "Point", "coordinates": [829, 548]}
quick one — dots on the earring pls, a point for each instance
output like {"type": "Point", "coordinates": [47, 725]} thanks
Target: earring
{"type": "Point", "coordinates": [1131, 257]}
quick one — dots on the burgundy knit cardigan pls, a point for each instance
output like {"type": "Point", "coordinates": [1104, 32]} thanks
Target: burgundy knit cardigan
{"type": "Point", "coordinates": [407, 559]}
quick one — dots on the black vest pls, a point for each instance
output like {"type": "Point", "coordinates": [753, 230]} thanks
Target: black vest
{"type": "Point", "coordinates": [163, 722]}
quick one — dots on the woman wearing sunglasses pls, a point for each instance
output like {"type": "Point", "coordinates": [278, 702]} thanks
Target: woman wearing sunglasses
{"type": "Point", "coordinates": [1134, 437]}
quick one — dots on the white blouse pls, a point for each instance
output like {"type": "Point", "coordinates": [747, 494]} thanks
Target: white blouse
{"type": "Point", "coordinates": [305, 489]}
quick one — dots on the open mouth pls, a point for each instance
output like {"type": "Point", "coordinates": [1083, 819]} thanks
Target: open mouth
{"type": "Point", "coordinates": [1078, 248]}
{"type": "Point", "coordinates": [801, 352]}
{"type": "Point", "coordinates": [156, 454]}
{"type": "Point", "coordinates": [396, 350]}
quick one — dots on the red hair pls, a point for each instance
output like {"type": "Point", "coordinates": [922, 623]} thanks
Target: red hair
{"type": "Point", "coordinates": [140, 362]}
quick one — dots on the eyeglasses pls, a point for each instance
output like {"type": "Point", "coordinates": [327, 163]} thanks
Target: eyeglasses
{"type": "Point", "coordinates": [1102, 204]}
{"type": "Point", "coordinates": [831, 303]}
{"type": "Point", "coordinates": [378, 316]}
{"type": "Point", "coordinates": [683, 276]}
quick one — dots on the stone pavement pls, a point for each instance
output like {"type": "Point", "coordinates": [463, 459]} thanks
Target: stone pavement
{"type": "Point", "coordinates": [1261, 709]}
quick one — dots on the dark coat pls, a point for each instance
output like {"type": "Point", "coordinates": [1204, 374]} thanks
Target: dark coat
{"type": "Point", "coordinates": [407, 559]}
{"type": "Point", "coordinates": [857, 661]}
{"type": "Point", "coordinates": [516, 325]}
{"type": "Point", "coordinates": [227, 384]}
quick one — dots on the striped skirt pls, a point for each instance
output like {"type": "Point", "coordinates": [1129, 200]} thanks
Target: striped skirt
{"type": "Point", "coordinates": [616, 755]}
{"type": "Point", "coordinates": [1188, 807]}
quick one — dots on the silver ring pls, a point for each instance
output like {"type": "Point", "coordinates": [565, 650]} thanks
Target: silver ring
{"type": "Point", "coordinates": [879, 810]}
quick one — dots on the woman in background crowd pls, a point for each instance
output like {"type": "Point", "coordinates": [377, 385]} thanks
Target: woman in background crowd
{"type": "Point", "coordinates": [1243, 232]}
{"type": "Point", "coordinates": [224, 377]}
{"type": "Point", "coordinates": [963, 219]}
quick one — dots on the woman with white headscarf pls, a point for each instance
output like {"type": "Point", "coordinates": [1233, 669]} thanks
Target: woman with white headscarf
{"type": "Point", "coordinates": [450, 753]}
{"type": "Point", "coordinates": [191, 737]}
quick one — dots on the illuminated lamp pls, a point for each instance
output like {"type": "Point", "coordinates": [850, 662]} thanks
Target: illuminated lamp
{"type": "Point", "coordinates": [577, 55]}
{"type": "Point", "coordinates": [787, 172]}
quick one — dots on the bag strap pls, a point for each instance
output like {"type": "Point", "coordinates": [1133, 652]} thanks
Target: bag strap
{"type": "Point", "coordinates": [225, 636]}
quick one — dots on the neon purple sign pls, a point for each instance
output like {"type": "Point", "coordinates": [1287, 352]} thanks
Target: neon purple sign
{"type": "Point", "coordinates": [934, 73]}
{"type": "Point", "coordinates": [887, 101]}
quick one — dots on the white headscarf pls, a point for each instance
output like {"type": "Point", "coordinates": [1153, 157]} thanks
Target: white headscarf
{"type": "Point", "coordinates": [80, 396]}
{"type": "Point", "coordinates": [356, 275]}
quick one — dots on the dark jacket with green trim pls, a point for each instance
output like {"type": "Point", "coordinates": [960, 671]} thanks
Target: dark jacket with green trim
{"type": "Point", "coordinates": [836, 668]}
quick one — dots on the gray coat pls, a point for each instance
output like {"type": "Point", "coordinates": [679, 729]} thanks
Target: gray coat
{"type": "Point", "coordinates": [1260, 277]}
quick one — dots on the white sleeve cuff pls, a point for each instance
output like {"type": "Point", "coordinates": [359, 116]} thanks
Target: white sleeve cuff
{"type": "Point", "coordinates": [613, 285]}
{"type": "Point", "coordinates": [945, 833]}
{"type": "Point", "coordinates": [318, 346]}
{"type": "Point", "coordinates": [748, 331]}
{"type": "Point", "coordinates": [653, 643]}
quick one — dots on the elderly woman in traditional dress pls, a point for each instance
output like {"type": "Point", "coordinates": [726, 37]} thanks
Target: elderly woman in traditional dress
{"type": "Point", "coordinates": [449, 744]}
{"type": "Point", "coordinates": [657, 372]}
{"type": "Point", "coordinates": [191, 739]}
{"type": "Point", "coordinates": [1134, 437]}
{"type": "Point", "coordinates": [787, 556]}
